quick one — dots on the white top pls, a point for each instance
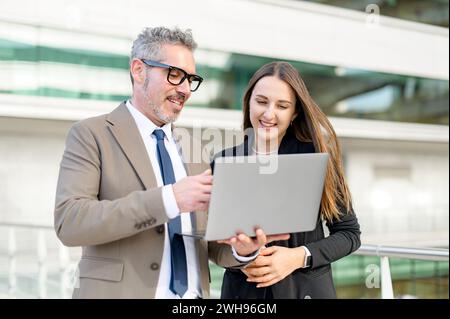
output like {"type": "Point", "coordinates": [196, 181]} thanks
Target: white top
{"type": "Point", "coordinates": [146, 128]}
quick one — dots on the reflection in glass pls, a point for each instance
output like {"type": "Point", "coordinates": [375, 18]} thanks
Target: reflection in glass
{"type": "Point", "coordinates": [433, 12]}
{"type": "Point", "coordinates": [339, 91]}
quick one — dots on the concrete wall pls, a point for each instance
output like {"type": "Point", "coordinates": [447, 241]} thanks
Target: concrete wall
{"type": "Point", "coordinates": [30, 152]}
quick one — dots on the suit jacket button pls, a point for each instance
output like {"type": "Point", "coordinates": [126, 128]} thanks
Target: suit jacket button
{"type": "Point", "coordinates": [154, 266]}
{"type": "Point", "coordinates": [160, 229]}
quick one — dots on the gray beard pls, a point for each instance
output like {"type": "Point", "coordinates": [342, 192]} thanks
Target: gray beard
{"type": "Point", "coordinates": [160, 115]}
{"type": "Point", "coordinates": [157, 109]}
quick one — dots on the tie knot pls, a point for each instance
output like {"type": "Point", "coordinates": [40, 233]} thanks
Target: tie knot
{"type": "Point", "coordinates": [159, 134]}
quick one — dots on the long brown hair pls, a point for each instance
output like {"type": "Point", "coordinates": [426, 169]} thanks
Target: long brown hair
{"type": "Point", "coordinates": [310, 125]}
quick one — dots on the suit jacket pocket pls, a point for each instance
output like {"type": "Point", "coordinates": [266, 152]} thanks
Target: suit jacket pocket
{"type": "Point", "coordinates": [101, 268]}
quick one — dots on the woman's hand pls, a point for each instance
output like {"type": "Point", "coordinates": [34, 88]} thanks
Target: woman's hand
{"type": "Point", "coordinates": [274, 264]}
{"type": "Point", "coordinates": [245, 245]}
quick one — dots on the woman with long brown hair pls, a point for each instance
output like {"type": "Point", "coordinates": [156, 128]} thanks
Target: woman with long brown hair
{"type": "Point", "coordinates": [284, 119]}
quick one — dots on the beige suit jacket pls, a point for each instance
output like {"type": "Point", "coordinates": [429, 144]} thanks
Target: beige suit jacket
{"type": "Point", "coordinates": [108, 202]}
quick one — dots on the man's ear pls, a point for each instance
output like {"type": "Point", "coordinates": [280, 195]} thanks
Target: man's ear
{"type": "Point", "coordinates": [137, 71]}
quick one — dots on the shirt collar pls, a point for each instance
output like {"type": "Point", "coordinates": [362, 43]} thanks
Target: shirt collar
{"type": "Point", "coordinates": [145, 125]}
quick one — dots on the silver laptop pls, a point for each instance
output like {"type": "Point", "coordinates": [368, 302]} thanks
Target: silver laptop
{"type": "Point", "coordinates": [280, 194]}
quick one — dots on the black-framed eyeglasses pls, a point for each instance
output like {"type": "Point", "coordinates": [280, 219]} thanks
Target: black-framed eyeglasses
{"type": "Point", "coordinates": [176, 76]}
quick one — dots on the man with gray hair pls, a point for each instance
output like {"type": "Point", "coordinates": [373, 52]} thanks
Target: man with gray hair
{"type": "Point", "coordinates": [125, 195]}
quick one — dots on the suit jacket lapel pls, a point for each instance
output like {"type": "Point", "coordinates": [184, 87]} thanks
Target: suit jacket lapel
{"type": "Point", "coordinates": [178, 143]}
{"type": "Point", "coordinates": [198, 219]}
{"type": "Point", "coordinates": [126, 133]}
{"type": "Point", "coordinates": [124, 129]}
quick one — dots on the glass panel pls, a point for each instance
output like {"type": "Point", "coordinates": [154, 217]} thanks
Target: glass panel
{"type": "Point", "coordinates": [339, 91]}
{"type": "Point", "coordinates": [359, 277]}
{"type": "Point", "coordinates": [433, 12]}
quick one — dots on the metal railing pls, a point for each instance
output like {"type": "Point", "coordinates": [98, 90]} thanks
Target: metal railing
{"type": "Point", "coordinates": [41, 249]}
{"type": "Point", "coordinates": [386, 252]}
{"type": "Point", "coordinates": [66, 265]}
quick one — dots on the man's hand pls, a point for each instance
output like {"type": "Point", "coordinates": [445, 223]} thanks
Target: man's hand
{"type": "Point", "coordinates": [245, 245]}
{"type": "Point", "coordinates": [193, 192]}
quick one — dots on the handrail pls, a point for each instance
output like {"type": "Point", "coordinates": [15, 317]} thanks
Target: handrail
{"type": "Point", "coordinates": [383, 252]}
{"type": "Point", "coordinates": [386, 252]}
{"type": "Point", "coordinates": [433, 254]}
{"type": "Point", "coordinates": [25, 225]}
{"type": "Point", "coordinates": [42, 259]}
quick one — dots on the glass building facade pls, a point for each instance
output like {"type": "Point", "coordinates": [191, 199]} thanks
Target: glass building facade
{"type": "Point", "coordinates": [434, 12]}
{"type": "Point", "coordinates": [59, 68]}
{"type": "Point", "coordinates": [340, 92]}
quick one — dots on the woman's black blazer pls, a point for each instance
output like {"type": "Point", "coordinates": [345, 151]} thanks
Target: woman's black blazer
{"type": "Point", "coordinates": [315, 281]}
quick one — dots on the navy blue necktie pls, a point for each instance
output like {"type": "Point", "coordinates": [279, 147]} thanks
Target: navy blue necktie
{"type": "Point", "coordinates": [178, 278]}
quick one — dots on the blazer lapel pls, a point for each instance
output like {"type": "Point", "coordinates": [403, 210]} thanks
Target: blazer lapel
{"type": "Point", "coordinates": [124, 129]}
{"type": "Point", "coordinates": [198, 219]}
{"type": "Point", "coordinates": [178, 144]}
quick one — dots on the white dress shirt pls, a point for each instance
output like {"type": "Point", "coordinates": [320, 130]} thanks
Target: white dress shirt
{"type": "Point", "coordinates": [146, 128]}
